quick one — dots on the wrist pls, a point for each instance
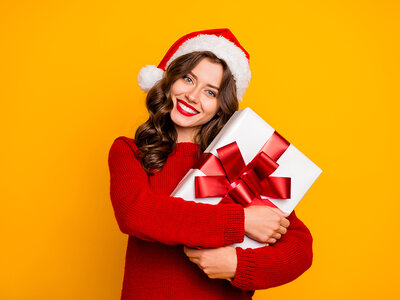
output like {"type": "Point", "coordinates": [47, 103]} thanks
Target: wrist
{"type": "Point", "coordinates": [246, 216]}
{"type": "Point", "coordinates": [234, 262]}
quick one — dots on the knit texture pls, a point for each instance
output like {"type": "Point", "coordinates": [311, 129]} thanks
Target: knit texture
{"type": "Point", "coordinates": [159, 225]}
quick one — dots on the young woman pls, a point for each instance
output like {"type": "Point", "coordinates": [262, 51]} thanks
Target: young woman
{"type": "Point", "coordinates": [191, 95]}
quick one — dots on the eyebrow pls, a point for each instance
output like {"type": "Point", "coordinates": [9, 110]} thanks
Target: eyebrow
{"type": "Point", "coordinates": [210, 85]}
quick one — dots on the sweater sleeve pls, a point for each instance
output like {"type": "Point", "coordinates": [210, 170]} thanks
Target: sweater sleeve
{"type": "Point", "coordinates": [170, 220]}
{"type": "Point", "coordinates": [276, 264]}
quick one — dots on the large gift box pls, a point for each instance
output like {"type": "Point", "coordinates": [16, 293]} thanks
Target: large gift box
{"type": "Point", "coordinates": [248, 162]}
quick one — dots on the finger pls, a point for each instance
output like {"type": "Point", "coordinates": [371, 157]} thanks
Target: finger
{"type": "Point", "coordinates": [271, 241]}
{"type": "Point", "coordinates": [285, 222]}
{"type": "Point", "coordinates": [192, 252]}
{"type": "Point", "coordinates": [186, 248]}
{"type": "Point", "coordinates": [216, 276]}
{"type": "Point", "coordinates": [282, 230]}
{"type": "Point", "coordinates": [276, 236]}
{"type": "Point", "coordinates": [195, 260]}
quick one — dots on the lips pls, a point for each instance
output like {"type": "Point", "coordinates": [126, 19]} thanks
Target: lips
{"type": "Point", "coordinates": [186, 109]}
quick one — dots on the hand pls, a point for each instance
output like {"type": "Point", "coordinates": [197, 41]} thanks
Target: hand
{"type": "Point", "coordinates": [265, 224]}
{"type": "Point", "coordinates": [216, 263]}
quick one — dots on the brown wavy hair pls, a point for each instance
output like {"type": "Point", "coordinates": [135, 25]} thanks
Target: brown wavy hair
{"type": "Point", "coordinates": [156, 138]}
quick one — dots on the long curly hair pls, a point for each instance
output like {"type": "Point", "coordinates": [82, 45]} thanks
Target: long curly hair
{"type": "Point", "coordinates": [156, 138]}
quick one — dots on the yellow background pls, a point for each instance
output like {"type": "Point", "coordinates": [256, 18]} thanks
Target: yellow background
{"type": "Point", "coordinates": [325, 74]}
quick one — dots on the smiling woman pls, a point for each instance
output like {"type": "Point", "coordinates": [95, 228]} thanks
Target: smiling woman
{"type": "Point", "coordinates": [195, 101]}
{"type": "Point", "coordinates": [191, 95]}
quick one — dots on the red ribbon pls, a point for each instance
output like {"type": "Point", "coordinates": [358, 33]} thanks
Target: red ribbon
{"type": "Point", "coordinates": [229, 177]}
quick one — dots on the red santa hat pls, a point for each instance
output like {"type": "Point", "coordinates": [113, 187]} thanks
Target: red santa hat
{"type": "Point", "coordinates": [221, 42]}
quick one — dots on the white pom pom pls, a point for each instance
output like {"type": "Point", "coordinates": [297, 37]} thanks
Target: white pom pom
{"type": "Point", "coordinates": [148, 76]}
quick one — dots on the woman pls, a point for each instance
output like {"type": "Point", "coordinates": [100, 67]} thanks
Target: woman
{"type": "Point", "coordinates": [202, 77]}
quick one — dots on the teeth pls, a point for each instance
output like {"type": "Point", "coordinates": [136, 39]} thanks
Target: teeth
{"type": "Point", "coordinates": [185, 108]}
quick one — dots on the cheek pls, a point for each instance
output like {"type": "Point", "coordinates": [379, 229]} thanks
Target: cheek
{"type": "Point", "coordinates": [212, 108]}
{"type": "Point", "coordinates": [177, 88]}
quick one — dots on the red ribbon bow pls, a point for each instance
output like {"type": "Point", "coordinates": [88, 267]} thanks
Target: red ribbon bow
{"type": "Point", "coordinates": [229, 177]}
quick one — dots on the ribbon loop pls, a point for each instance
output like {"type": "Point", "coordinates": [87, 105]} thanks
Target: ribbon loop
{"type": "Point", "coordinates": [263, 165]}
{"type": "Point", "coordinates": [232, 160]}
{"type": "Point", "coordinates": [275, 146]}
{"type": "Point", "coordinates": [276, 187]}
{"type": "Point", "coordinates": [209, 164]}
{"type": "Point", "coordinates": [210, 186]}
{"type": "Point", "coordinates": [252, 181]}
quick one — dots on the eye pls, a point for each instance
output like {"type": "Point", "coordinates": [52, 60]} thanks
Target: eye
{"type": "Point", "coordinates": [187, 78]}
{"type": "Point", "coordinates": [211, 93]}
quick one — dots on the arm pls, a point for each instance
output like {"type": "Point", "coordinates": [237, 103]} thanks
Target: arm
{"type": "Point", "coordinates": [276, 264]}
{"type": "Point", "coordinates": [169, 220]}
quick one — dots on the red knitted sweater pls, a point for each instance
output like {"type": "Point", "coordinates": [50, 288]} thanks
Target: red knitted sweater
{"type": "Point", "coordinates": [159, 225]}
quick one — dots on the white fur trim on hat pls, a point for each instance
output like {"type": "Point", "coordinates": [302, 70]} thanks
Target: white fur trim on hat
{"type": "Point", "coordinates": [148, 77]}
{"type": "Point", "coordinates": [224, 49]}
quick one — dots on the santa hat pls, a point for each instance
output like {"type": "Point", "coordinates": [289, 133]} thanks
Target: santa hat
{"type": "Point", "coordinates": [221, 42]}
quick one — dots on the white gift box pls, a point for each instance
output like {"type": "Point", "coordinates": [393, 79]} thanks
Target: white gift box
{"type": "Point", "coordinates": [251, 132]}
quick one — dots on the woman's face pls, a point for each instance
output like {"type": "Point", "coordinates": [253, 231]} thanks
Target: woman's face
{"type": "Point", "coordinates": [195, 98]}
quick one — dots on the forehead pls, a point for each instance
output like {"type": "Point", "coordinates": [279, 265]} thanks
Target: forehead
{"type": "Point", "coordinates": [209, 72]}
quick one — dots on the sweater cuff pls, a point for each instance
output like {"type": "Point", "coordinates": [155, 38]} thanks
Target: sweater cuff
{"type": "Point", "coordinates": [234, 225]}
{"type": "Point", "coordinates": [245, 270]}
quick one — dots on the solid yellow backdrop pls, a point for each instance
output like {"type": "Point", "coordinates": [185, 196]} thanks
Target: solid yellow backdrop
{"type": "Point", "coordinates": [325, 75]}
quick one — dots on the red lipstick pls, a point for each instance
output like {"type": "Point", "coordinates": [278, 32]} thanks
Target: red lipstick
{"type": "Point", "coordinates": [184, 112]}
{"type": "Point", "coordinates": [186, 104]}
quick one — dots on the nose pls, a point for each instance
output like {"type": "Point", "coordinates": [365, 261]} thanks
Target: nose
{"type": "Point", "coordinates": [193, 95]}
